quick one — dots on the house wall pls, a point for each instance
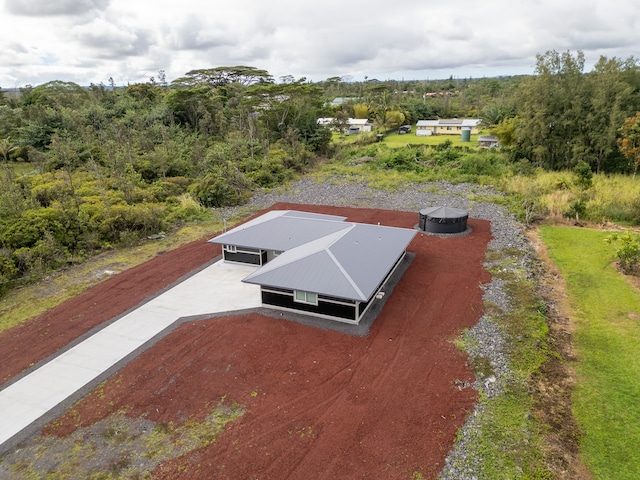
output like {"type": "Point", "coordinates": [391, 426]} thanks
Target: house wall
{"type": "Point", "coordinates": [424, 130]}
{"type": "Point", "coordinates": [335, 309]}
{"type": "Point", "coordinates": [271, 254]}
{"type": "Point", "coordinates": [348, 311]}
{"type": "Point", "coordinates": [247, 256]}
{"type": "Point", "coordinates": [453, 130]}
{"type": "Point", "coordinates": [360, 124]}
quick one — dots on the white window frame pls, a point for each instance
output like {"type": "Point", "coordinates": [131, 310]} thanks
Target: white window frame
{"type": "Point", "coordinates": [231, 248]}
{"type": "Point", "coordinates": [308, 298]}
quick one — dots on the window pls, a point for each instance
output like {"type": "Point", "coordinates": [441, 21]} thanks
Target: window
{"type": "Point", "coordinates": [301, 296]}
{"type": "Point", "coordinates": [230, 248]}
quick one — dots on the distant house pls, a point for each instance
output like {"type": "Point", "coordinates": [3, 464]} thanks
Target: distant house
{"type": "Point", "coordinates": [325, 121]}
{"type": "Point", "coordinates": [354, 125]}
{"type": "Point", "coordinates": [336, 102]}
{"type": "Point", "coordinates": [447, 126]}
{"type": "Point", "coordinates": [316, 264]}
{"type": "Point", "coordinates": [488, 141]}
{"type": "Point", "coordinates": [357, 125]}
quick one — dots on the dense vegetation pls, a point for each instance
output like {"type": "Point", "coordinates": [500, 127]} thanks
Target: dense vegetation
{"type": "Point", "coordinates": [104, 166]}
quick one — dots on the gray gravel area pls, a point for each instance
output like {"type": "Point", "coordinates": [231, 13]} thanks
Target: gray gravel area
{"type": "Point", "coordinates": [485, 337]}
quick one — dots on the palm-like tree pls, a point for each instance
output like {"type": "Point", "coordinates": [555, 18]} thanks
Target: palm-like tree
{"type": "Point", "coordinates": [388, 119]}
{"type": "Point", "coordinates": [6, 147]}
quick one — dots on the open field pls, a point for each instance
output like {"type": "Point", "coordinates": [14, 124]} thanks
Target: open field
{"type": "Point", "coordinates": [397, 140]}
{"type": "Point", "coordinates": [606, 309]}
{"type": "Point", "coordinates": [387, 404]}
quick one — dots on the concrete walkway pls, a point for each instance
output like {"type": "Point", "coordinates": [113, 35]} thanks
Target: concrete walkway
{"type": "Point", "coordinates": [215, 289]}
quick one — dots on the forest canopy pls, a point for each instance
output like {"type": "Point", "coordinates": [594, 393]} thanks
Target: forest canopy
{"type": "Point", "coordinates": [111, 165]}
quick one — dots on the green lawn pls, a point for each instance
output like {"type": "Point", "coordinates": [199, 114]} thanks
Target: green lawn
{"type": "Point", "coordinates": [607, 396]}
{"type": "Point", "coordinates": [395, 140]}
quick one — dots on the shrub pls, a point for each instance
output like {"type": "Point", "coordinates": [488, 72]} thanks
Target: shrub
{"type": "Point", "coordinates": [187, 209]}
{"type": "Point", "coordinates": [26, 230]}
{"type": "Point", "coordinates": [140, 219]}
{"type": "Point", "coordinates": [627, 247]}
{"type": "Point", "coordinates": [46, 254]}
{"type": "Point", "coordinates": [401, 159]}
{"type": "Point", "coordinates": [445, 153]}
{"type": "Point", "coordinates": [8, 271]}
{"type": "Point", "coordinates": [272, 171]}
{"type": "Point", "coordinates": [223, 188]}
{"type": "Point", "coordinates": [488, 164]}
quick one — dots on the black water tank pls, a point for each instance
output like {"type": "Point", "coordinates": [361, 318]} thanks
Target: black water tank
{"type": "Point", "coordinates": [443, 220]}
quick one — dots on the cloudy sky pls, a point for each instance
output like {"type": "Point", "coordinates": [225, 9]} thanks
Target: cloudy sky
{"type": "Point", "coordinates": [90, 41]}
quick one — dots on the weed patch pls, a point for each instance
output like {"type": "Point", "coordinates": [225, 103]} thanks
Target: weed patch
{"type": "Point", "coordinates": [507, 439]}
{"type": "Point", "coordinates": [116, 447]}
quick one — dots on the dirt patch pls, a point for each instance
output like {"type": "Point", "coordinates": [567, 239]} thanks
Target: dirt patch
{"type": "Point", "coordinates": [387, 405]}
{"type": "Point", "coordinates": [556, 380]}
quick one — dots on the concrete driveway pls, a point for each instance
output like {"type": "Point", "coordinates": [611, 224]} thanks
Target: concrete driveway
{"type": "Point", "coordinates": [25, 403]}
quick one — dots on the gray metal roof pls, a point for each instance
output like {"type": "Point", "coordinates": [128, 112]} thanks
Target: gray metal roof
{"type": "Point", "coordinates": [349, 263]}
{"type": "Point", "coordinates": [464, 122]}
{"type": "Point", "coordinates": [281, 230]}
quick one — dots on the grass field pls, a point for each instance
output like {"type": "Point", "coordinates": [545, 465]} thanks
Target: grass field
{"type": "Point", "coordinates": [607, 315]}
{"type": "Point", "coordinates": [395, 140]}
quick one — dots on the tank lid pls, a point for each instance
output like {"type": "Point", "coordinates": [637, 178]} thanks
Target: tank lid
{"type": "Point", "coordinates": [444, 212]}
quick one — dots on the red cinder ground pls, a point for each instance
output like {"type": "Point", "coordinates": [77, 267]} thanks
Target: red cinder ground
{"type": "Point", "coordinates": [319, 404]}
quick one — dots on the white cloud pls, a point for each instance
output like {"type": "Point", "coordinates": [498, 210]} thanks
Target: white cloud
{"type": "Point", "coordinates": [44, 8]}
{"type": "Point", "coordinates": [88, 41]}
{"type": "Point", "coordinates": [110, 41]}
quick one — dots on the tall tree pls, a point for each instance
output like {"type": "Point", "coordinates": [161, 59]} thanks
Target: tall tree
{"type": "Point", "coordinates": [221, 76]}
{"type": "Point", "coordinates": [283, 106]}
{"type": "Point", "coordinates": [552, 105]}
{"type": "Point", "coordinates": [629, 141]}
{"type": "Point", "coordinates": [611, 100]}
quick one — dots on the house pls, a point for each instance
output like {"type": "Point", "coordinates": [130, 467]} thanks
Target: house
{"type": "Point", "coordinates": [336, 102]}
{"type": "Point", "coordinates": [488, 141]}
{"type": "Point", "coordinates": [447, 126]}
{"type": "Point", "coordinates": [353, 125]}
{"type": "Point", "coordinates": [316, 264]}
{"type": "Point", "coordinates": [357, 125]}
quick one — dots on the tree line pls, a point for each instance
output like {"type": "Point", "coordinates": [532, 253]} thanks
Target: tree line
{"type": "Point", "coordinates": [111, 165]}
